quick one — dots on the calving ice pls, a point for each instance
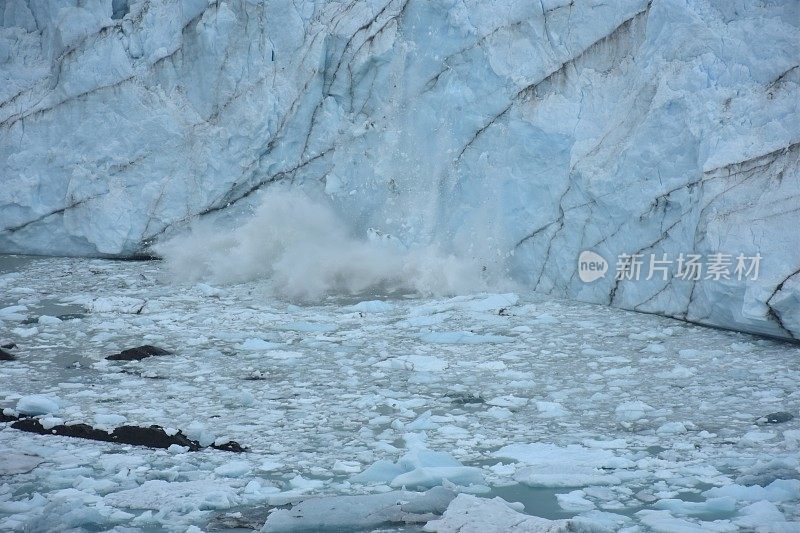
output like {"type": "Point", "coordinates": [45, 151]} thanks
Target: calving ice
{"type": "Point", "coordinates": [275, 265]}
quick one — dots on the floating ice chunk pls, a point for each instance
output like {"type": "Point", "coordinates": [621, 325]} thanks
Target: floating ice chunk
{"type": "Point", "coordinates": [502, 469]}
{"type": "Point", "coordinates": [597, 521]}
{"type": "Point", "coordinates": [711, 506]}
{"type": "Point", "coordinates": [760, 513]}
{"type": "Point", "coordinates": [468, 513]}
{"type": "Point", "coordinates": [177, 448]}
{"type": "Point", "coordinates": [233, 469]}
{"type": "Point", "coordinates": [574, 501]}
{"type": "Point", "coordinates": [420, 468]}
{"type": "Point", "coordinates": [37, 404]}
{"type": "Point", "coordinates": [424, 320]}
{"type": "Point", "coordinates": [621, 371]}
{"type": "Point", "coordinates": [47, 320]}
{"type": "Point", "coordinates": [423, 457]}
{"type": "Point", "coordinates": [671, 428]}
{"type": "Point", "coordinates": [604, 356]}
{"type": "Point", "coordinates": [563, 466]}
{"type": "Point", "coordinates": [37, 501]}
{"type": "Point", "coordinates": [679, 372]}
{"type": "Point", "coordinates": [764, 472]}
{"type": "Point", "coordinates": [25, 333]}
{"type": "Point", "coordinates": [654, 347]}
{"type": "Point", "coordinates": [49, 422]}
{"type": "Point", "coordinates": [382, 471]}
{"type": "Point", "coordinates": [491, 365]}
{"type": "Point", "coordinates": [454, 432]}
{"type": "Point", "coordinates": [284, 355]}
{"type": "Point", "coordinates": [298, 482]}
{"type": "Point", "coordinates": [415, 362]}
{"type": "Point", "coordinates": [493, 302]}
{"type": "Point", "coordinates": [115, 304]}
{"type": "Point", "coordinates": [664, 522]}
{"type": "Point", "coordinates": [540, 453]}
{"type": "Point", "coordinates": [792, 437]}
{"type": "Point", "coordinates": [373, 306]}
{"type": "Point", "coordinates": [346, 467]}
{"type": "Point", "coordinates": [178, 496]}
{"type": "Point", "coordinates": [551, 410]}
{"type": "Point", "coordinates": [606, 444]}
{"type": "Point", "coordinates": [96, 486]}
{"type": "Point", "coordinates": [270, 465]}
{"type": "Point", "coordinates": [651, 334]}
{"type": "Point", "coordinates": [780, 490]}
{"type": "Point", "coordinates": [500, 413]}
{"type": "Point", "coordinates": [508, 401]}
{"type": "Point", "coordinates": [422, 422]}
{"type": "Point", "coordinates": [755, 438]}
{"type": "Point", "coordinates": [255, 344]}
{"type": "Point", "coordinates": [358, 513]}
{"type": "Point", "coordinates": [239, 398]}
{"type": "Point", "coordinates": [463, 337]}
{"type": "Point", "coordinates": [255, 488]}
{"type": "Point", "coordinates": [198, 431]}
{"type": "Point", "coordinates": [208, 291]}
{"type": "Point", "coordinates": [14, 313]}
{"type": "Point", "coordinates": [109, 420]}
{"type": "Point", "coordinates": [632, 411]}
{"type": "Point", "coordinates": [308, 327]}
{"type": "Point", "coordinates": [545, 319]}
{"type": "Point", "coordinates": [435, 475]}
{"type": "Point", "coordinates": [565, 475]}
{"type": "Point", "coordinates": [17, 463]}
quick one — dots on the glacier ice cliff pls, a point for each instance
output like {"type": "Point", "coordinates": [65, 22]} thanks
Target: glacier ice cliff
{"type": "Point", "coordinates": [519, 131]}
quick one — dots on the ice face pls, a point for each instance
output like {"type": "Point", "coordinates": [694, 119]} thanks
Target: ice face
{"type": "Point", "coordinates": [520, 134]}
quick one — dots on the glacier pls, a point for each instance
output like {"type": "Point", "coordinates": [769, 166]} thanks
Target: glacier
{"type": "Point", "coordinates": [554, 415]}
{"type": "Point", "coordinates": [517, 133]}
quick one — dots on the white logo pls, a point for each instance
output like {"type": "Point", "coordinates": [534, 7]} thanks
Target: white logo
{"type": "Point", "coordinates": [591, 266]}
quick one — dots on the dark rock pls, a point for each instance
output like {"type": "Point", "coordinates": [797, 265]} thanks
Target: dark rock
{"type": "Point", "coordinates": [152, 437]}
{"type": "Point", "coordinates": [137, 354]}
{"type": "Point", "coordinates": [776, 418]}
{"type": "Point", "coordinates": [9, 418]}
{"type": "Point", "coordinates": [8, 346]}
{"type": "Point", "coordinates": [83, 431]}
{"type": "Point", "coordinates": [5, 356]}
{"type": "Point", "coordinates": [230, 446]}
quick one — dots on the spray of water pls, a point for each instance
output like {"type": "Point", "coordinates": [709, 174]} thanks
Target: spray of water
{"type": "Point", "coordinates": [303, 251]}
